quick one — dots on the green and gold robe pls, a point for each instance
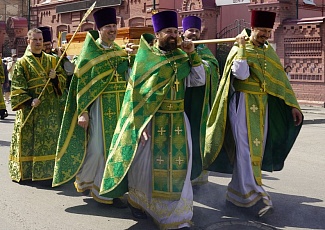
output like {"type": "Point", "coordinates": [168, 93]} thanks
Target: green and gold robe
{"type": "Point", "coordinates": [32, 149]}
{"type": "Point", "coordinates": [64, 95]}
{"type": "Point", "coordinates": [155, 93]}
{"type": "Point", "coordinates": [198, 102]}
{"type": "Point", "coordinates": [99, 73]}
{"type": "Point", "coordinates": [267, 85]}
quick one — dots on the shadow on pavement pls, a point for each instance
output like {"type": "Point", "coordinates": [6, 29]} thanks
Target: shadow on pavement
{"type": "Point", "coordinates": [8, 120]}
{"type": "Point", "coordinates": [92, 207]}
{"type": "Point", "coordinates": [314, 121]}
{"type": "Point", "coordinates": [67, 189]}
{"type": "Point", "coordinates": [5, 143]}
{"type": "Point", "coordinates": [289, 211]}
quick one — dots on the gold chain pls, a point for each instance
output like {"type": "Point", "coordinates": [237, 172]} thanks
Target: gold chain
{"type": "Point", "coordinates": [157, 51]}
{"type": "Point", "coordinates": [263, 68]}
{"type": "Point", "coordinates": [116, 74]}
{"type": "Point", "coordinates": [174, 67]}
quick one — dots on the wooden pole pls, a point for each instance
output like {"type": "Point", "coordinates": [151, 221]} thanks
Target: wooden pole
{"type": "Point", "coordinates": [61, 57]}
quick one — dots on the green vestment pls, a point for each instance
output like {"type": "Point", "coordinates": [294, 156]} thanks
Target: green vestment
{"type": "Point", "coordinates": [99, 73]}
{"type": "Point", "coordinates": [154, 93]}
{"type": "Point", "coordinates": [198, 101]}
{"type": "Point", "coordinates": [32, 149]}
{"type": "Point", "coordinates": [267, 85]}
{"type": "Point", "coordinates": [64, 95]}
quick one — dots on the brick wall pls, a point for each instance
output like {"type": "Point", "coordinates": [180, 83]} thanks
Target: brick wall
{"type": "Point", "coordinates": [300, 44]}
{"type": "Point", "coordinates": [309, 93]}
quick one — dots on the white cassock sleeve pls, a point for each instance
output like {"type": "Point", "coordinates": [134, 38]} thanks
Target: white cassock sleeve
{"type": "Point", "coordinates": [196, 77]}
{"type": "Point", "coordinates": [240, 69]}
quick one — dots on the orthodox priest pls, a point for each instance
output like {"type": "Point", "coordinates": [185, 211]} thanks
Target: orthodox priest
{"type": "Point", "coordinates": [47, 48]}
{"type": "Point", "coordinates": [255, 118]}
{"type": "Point", "coordinates": [199, 113]}
{"type": "Point", "coordinates": [151, 151]}
{"type": "Point", "coordinates": [32, 149]}
{"type": "Point", "coordinates": [94, 103]}
{"type": "Point", "coordinates": [47, 40]}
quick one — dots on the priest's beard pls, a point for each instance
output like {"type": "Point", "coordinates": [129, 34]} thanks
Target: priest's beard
{"type": "Point", "coordinates": [168, 44]}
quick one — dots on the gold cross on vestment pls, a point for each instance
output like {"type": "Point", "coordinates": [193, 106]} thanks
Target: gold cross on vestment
{"type": "Point", "coordinates": [110, 113]}
{"type": "Point", "coordinates": [179, 160]}
{"type": "Point", "coordinates": [256, 142]}
{"type": "Point", "coordinates": [159, 160]}
{"type": "Point", "coordinates": [116, 87]}
{"type": "Point", "coordinates": [116, 75]}
{"type": "Point", "coordinates": [176, 84]}
{"type": "Point", "coordinates": [161, 131]}
{"type": "Point", "coordinates": [254, 108]}
{"type": "Point", "coordinates": [170, 106]}
{"type": "Point", "coordinates": [178, 130]}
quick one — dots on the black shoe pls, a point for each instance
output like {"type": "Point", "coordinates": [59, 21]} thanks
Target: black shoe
{"type": "Point", "coordinates": [137, 213]}
{"type": "Point", "coordinates": [3, 114]}
{"type": "Point", "coordinates": [119, 203]}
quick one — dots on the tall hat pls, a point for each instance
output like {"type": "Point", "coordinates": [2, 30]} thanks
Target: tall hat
{"type": "Point", "coordinates": [191, 22]}
{"type": "Point", "coordinates": [105, 16]}
{"type": "Point", "coordinates": [262, 19]}
{"type": "Point", "coordinates": [164, 19]}
{"type": "Point", "coordinates": [47, 35]}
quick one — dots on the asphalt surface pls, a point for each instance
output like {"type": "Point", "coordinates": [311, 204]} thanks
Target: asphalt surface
{"type": "Point", "coordinates": [298, 194]}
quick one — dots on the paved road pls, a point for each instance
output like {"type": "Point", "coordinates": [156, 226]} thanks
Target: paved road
{"type": "Point", "coordinates": [298, 194]}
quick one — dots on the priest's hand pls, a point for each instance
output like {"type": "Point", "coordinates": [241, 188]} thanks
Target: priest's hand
{"type": "Point", "coordinates": [144, 137]}
{"type": "Point", "coordinates": [83, 120]}
{"type": "Point", "coordinates": [297, 116]}
{"type": "Point", "coordinates": [35, 102]}
{"type": "Point", "coordinates": [241, 40]}
{"type": "Point", "coordinates": [52, 74]}
{"type": "Point", "coordinates": [131, 48]}
{"type": "Point", "coordinates": [188, 46]}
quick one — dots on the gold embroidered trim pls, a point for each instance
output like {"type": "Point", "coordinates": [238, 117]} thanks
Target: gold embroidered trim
{"type": "Point", "coordinates": [32, 158]}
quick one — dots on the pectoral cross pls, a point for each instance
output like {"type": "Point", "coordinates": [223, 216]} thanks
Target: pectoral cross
{"type": "Point", "coordinates": [264, 86]}
{"type": "Point", "coordinates": [175, 74]}
{"type": "Point", "coordinates": [176, 84]}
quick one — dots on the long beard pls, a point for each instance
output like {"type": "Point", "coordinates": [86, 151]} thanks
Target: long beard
{"type": "Point", "coordinates": [167, 44]}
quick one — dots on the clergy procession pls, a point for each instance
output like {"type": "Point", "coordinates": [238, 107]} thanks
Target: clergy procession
{"type": "Point", "coordinates": [140, 126]}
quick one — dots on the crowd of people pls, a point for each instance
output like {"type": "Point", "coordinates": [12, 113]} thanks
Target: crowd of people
{"type": "Point", "coordinates": [139, 128]}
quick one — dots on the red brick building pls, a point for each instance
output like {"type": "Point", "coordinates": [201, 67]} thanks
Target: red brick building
{"type": "Point", "coordinates": [298, 35]}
